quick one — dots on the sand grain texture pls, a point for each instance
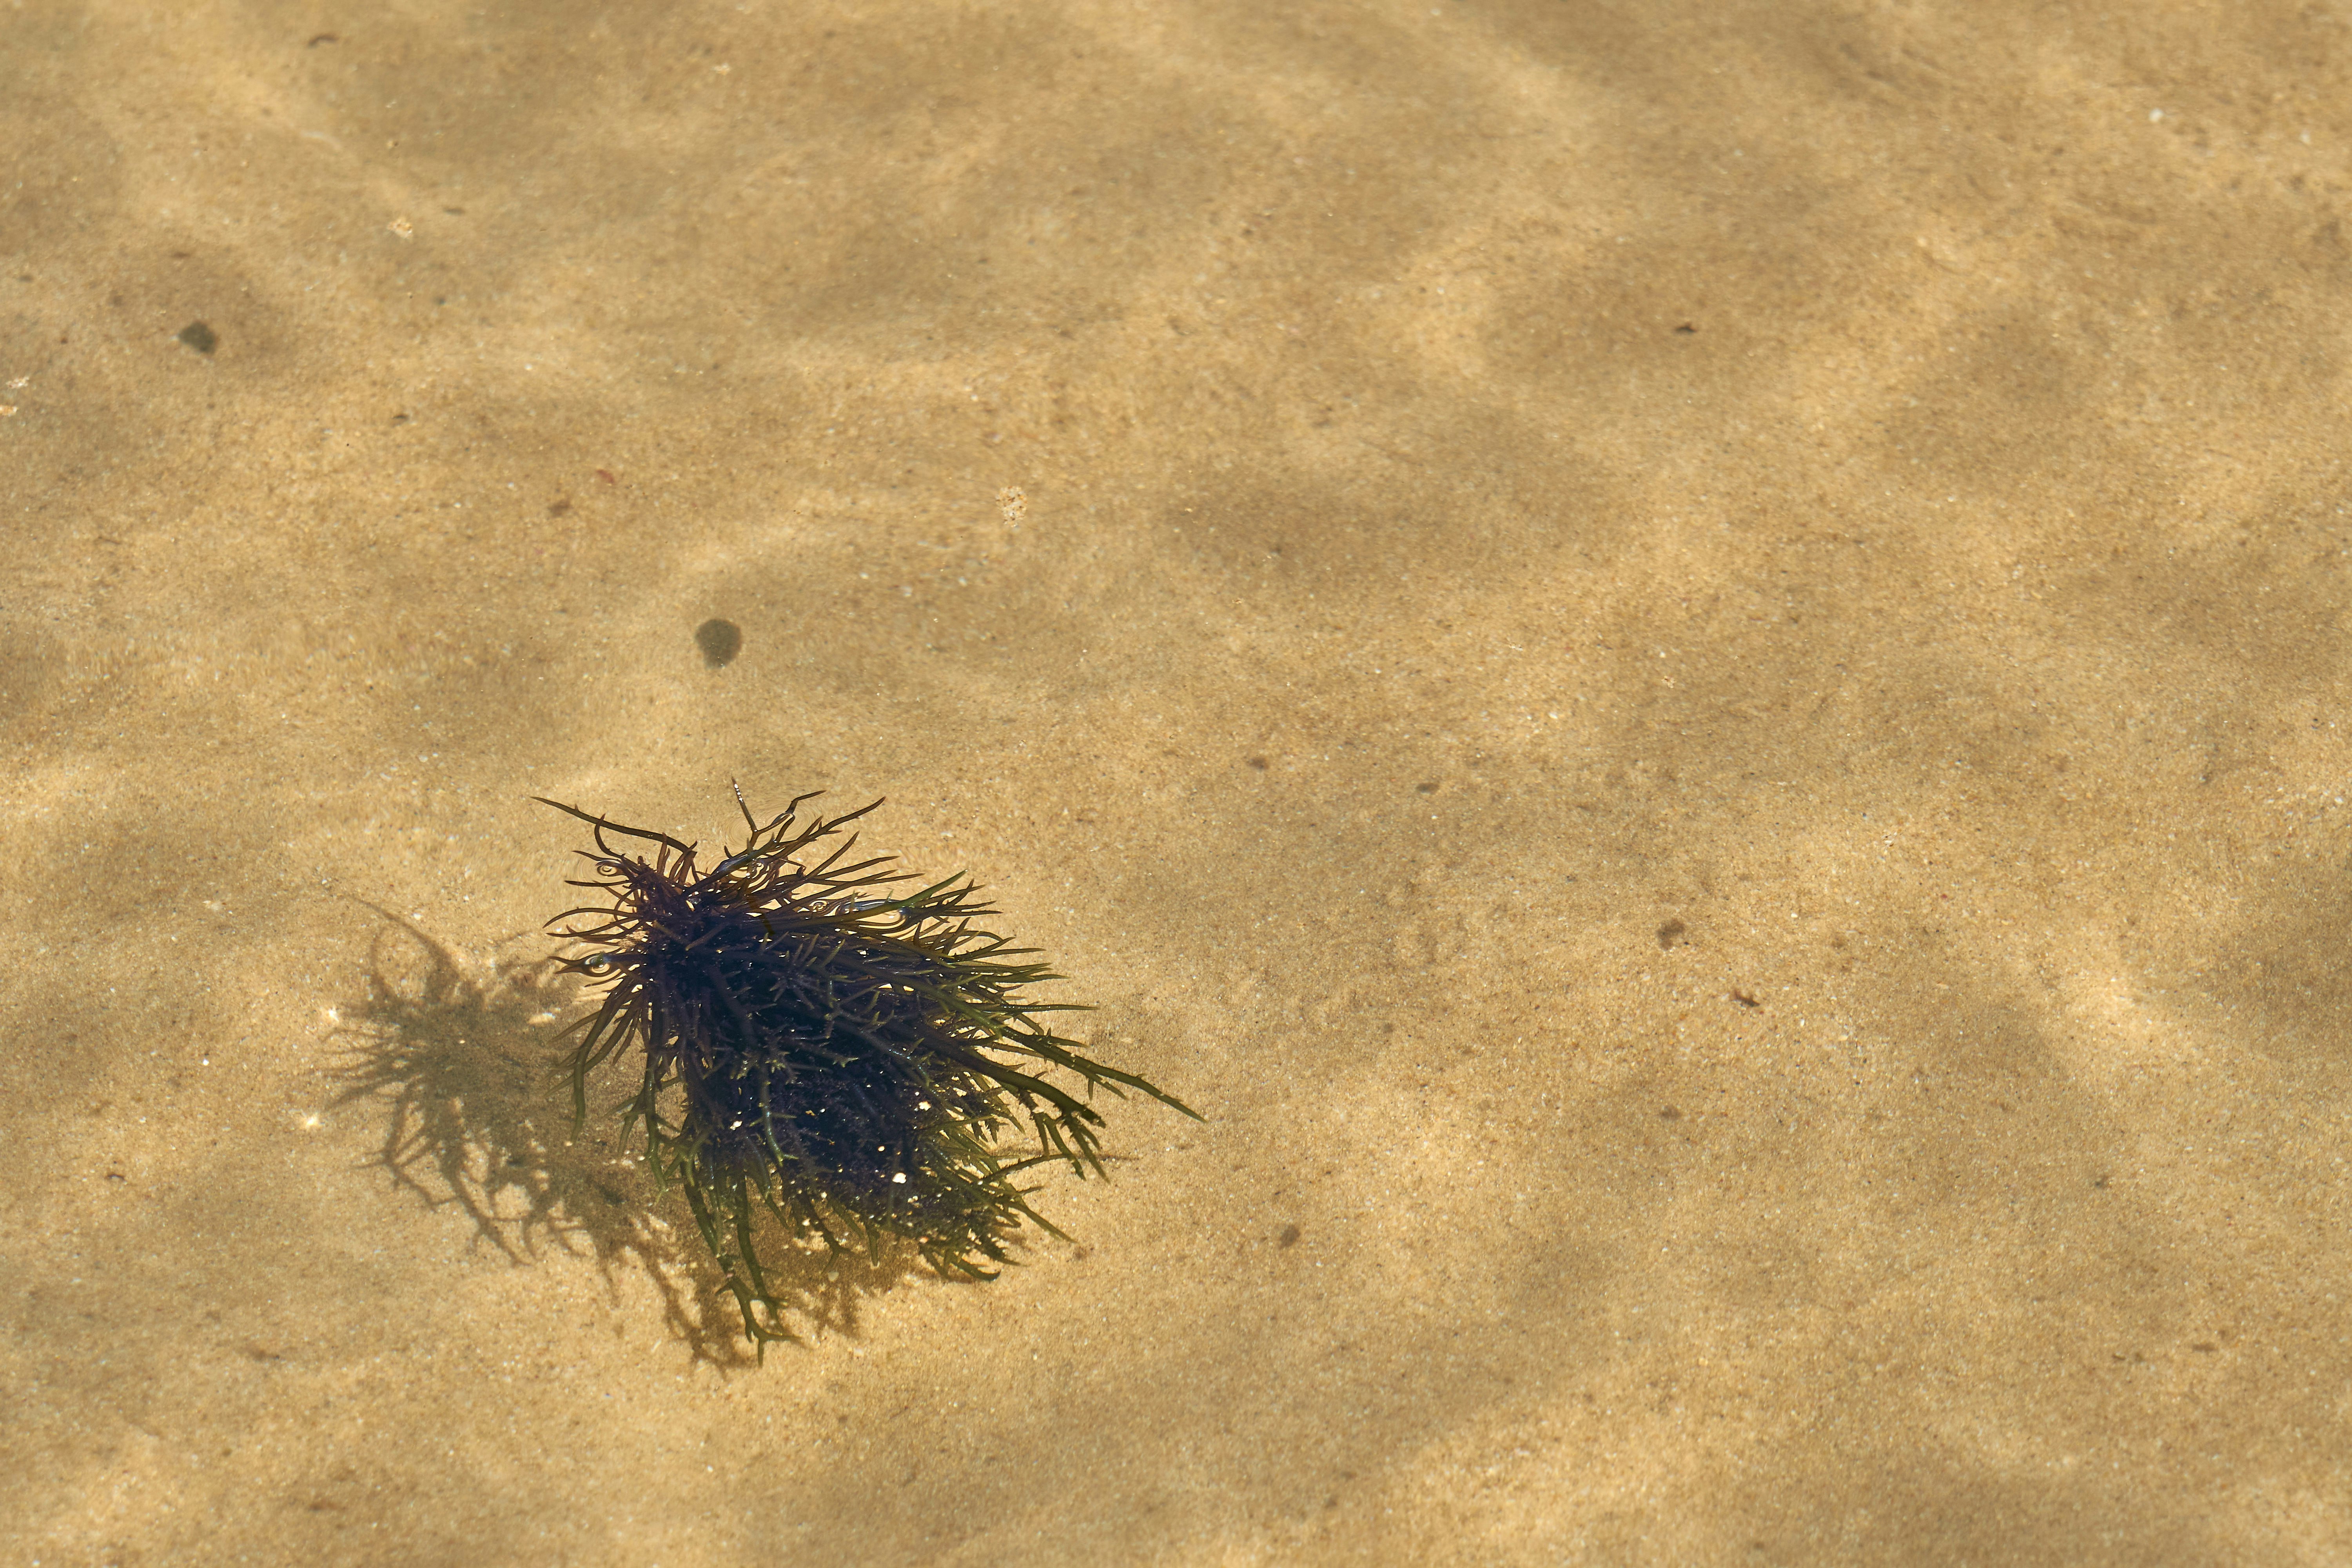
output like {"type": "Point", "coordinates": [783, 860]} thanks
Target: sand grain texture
{"type": "Point", "coordinates": [1687, 664]}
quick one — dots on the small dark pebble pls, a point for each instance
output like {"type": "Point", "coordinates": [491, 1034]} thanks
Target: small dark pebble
{"type": "Point", "coordinates": [1670, 934]}
{"type": "Point", "coordinates": [1289, 1236]}
{"type": "Point", "coordinates": [1670, 1114]}
{"type": "Point", "coordinates": [720, 641]}
{"type": "Point", "coordinates": [200, 337]}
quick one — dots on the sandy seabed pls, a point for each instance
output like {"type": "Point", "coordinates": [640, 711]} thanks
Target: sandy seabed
{"type": "Point", "coordinates": [1686, 663]}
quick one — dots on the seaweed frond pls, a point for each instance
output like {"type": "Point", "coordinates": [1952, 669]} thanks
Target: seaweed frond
{"type": "Point", "coordinates": [816, 1045]}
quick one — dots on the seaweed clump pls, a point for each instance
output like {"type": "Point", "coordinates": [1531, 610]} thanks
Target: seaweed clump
{"type": "Point", "coordinates": [816, 1046]}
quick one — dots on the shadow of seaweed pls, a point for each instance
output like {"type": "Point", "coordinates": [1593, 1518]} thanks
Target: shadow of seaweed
{"type": "Point", "coordinates": [460, 1057]}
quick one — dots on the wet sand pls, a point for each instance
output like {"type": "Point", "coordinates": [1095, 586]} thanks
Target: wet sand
{"type": "Point", "coordinates": [1685, 663]}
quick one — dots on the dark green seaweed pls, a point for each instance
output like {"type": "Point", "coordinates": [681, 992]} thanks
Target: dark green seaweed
{"type": "Point", "coordinates": [815, 1046]}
